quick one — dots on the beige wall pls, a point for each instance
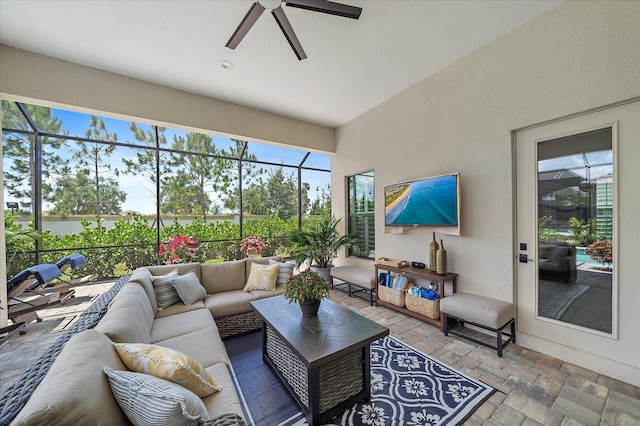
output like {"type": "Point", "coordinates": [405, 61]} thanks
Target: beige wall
{"type": "Point", "coordinates": [29, 77]}
{"type": "Point", "coordinates": [577, 56]}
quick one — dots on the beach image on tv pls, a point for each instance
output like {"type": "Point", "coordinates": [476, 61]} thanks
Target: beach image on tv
{"type": "Point", "coordinates": [431, 201]}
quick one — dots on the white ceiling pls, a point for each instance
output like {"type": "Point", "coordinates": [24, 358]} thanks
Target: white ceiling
{"type": "Point", "coordinates": [351, 67]}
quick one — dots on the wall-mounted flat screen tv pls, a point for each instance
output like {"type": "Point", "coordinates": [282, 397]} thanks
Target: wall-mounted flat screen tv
{"type": "Point", "coordinates": [431, 201]}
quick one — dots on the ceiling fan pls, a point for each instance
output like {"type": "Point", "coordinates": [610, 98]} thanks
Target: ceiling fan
{"type": "Point", "coordinates": [275, 6]}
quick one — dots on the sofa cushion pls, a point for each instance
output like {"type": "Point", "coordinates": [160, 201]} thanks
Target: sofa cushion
{"type": "Point", "coordinates": [229, 303]}
{"type": "Point", "coordinates": [150, 401]}
{"type": "Point", "coordinates": [205, 346]}
{"type": "Point", "coordinates": [179, 308]}
{"type": "Point", "coordinates": [142, 276]}
{"type": "Point", "coordinates": [166, 294]}
{"type": "Point", "coordinates": [261, 294]}
{"type": "Point", "coordinates": [178, 324]}
{"type": "Point", "coordinates": [75, 391]}
{"type": "Point", "coordinates": [189, 288]}
{"type": "Point", "coordinates": [262, 277]}
{"type": "Point", "coordinates": [168, 364]}
{"type": "Point", "coordinates": [225, 401]}
{"type": "Point", "coordinates": [225, 276]}
{"type": "Point", "coordinates": [130, 317]}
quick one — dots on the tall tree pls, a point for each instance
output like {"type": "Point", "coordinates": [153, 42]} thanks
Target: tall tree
{"type": "Point", "coordinates": [76, 195]}
{"type": "Point", "coordinates": [92, 155]}
{"type": "Point", "coordinates": [199, 170]}
{"type": "Point", "coordinates": [278, 193]}
{"type": "Point", "coordinates": [180, 196]}
{"type": "Point", "coordinates": [19, 149]}
{"type": "Point", "coordinates": [229, 191]}
{"type": "Point", "coordinates": [145, 162]}
{"type": "Point", "coordinates": [322, 204]}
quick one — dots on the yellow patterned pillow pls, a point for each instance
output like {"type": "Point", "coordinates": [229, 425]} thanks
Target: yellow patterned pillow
{"type": "Point", "coordinates": [167, 364]}
{"type": "Point", "coordinates": [262, 277]}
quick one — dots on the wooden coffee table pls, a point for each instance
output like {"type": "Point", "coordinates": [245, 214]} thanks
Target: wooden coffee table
{"type": "Point", "coordinates": [323, 361]}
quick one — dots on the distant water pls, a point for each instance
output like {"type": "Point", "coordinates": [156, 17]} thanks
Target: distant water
{"type": "Point", "coordinates": [427, 202]}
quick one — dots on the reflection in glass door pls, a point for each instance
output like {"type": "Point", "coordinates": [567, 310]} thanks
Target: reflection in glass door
{"type": "Point", "coordinates": [575, 229]}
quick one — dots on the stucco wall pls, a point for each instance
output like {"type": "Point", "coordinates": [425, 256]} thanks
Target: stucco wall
{"type": "Point", "coordinates": [30, 77]}
{"type": "Point", "coordinates": [577, 56]}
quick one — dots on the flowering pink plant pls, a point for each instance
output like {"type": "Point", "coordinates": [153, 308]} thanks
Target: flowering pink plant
{"type": "Point", "coordinates": [178, 249]}
{"type": "Point", "coordinates": [252, 246]}
{"type": "Point", "coordinates": [601, 251]}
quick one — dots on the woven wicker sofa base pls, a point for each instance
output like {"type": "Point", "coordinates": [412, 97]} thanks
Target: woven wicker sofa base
{"type": "Point", "coordinates": [237, 324]}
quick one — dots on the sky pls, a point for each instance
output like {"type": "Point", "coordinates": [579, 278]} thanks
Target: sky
{"type": "Point", "coordinates": [140, 191]}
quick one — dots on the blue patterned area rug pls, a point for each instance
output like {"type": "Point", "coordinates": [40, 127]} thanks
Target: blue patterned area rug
{"type": "Point", "coordinates": [408, 388]}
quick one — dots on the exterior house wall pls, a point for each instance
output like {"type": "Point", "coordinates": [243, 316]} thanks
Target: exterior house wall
{"type": "Point", "coordinates": [573, 58]}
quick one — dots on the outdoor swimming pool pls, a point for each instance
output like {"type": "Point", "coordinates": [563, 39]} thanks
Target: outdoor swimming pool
{"type": "Point", "coordinates": [581, 257]}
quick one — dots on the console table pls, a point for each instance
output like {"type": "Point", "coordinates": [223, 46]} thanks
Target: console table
{"type": "Point", "coordinates": [411, 272]}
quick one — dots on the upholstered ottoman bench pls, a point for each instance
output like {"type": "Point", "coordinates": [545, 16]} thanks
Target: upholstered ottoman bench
{"type": "Point", "coordinates": [480, 311]}
{"type": "Point", "coordinates": [353, 276]}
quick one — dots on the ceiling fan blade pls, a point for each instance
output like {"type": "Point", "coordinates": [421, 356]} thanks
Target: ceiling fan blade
{"type": "Point", "coordinates": [287, 30]}
{"type": "Point", "coordinates": [248, 21]}
{"type": "Point", "coordinates": [326, 6]}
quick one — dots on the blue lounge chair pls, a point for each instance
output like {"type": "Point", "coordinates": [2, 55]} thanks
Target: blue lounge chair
{"type": "Point", "coordinates": [29, 282]}
{"type": "Point", "coordinates": [72, 261]}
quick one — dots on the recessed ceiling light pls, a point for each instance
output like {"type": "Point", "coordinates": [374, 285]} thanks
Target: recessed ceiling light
{"type": "Point", "coordinates": [226, 64]}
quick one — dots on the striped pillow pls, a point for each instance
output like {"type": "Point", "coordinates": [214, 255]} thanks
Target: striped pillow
{"type": "Point", "coordinates": [148, 400]}
{"type": "Point", "coordinates": [284, 272]}
{"type": "Point", "coordinates": [165, 292]}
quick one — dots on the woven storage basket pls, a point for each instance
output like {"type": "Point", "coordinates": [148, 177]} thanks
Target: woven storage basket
{"type": "Point", "coordinates": [426, 307]}
{"type": "Point", "coordinates": [390, 295]}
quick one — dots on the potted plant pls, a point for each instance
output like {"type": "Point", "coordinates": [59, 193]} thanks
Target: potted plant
{"type": "Point", "coordinates": [252, 246]}
{"type": "Point", "coordinates": [307, 288]}
{"type": "Point", "coordinates": [319, 245]}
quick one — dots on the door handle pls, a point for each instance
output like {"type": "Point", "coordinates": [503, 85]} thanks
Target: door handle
{"type": "Point", "coordinates": [524, 259]}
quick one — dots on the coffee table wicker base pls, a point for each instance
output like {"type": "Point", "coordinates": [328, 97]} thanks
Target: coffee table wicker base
{"type": "Point", "coordinates": [338, 380]}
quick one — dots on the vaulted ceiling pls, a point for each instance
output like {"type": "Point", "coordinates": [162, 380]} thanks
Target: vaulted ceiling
{"type": "Point", "coordinates": [352, 65]}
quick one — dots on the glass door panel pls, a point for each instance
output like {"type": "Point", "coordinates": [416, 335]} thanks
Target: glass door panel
{"type": "Point", "coordinates": [575, 229]}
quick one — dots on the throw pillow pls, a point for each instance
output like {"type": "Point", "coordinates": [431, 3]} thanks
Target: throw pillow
{"type": "Point", "coordinates": [147, 400]}
{"type": "Point", "coordinates": [285, 270]}
{"type": "Point", "coordinates": [262, 277]}
{"type": "Point", "coordinates": [189, 288]}
{"type": "Point", "coordinates": [167, 364]}
{"type": "Point", "coordinates": [165, 293]}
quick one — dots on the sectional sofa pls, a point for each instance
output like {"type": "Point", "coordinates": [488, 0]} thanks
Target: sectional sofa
{"type": "Point", "coordinates": [78, 391]}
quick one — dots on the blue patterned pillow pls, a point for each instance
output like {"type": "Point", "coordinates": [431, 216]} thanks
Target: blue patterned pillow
{"type": "Point", "coordinates": [165, 292]}
{"type": "Point", "coordinates": [150, 401]}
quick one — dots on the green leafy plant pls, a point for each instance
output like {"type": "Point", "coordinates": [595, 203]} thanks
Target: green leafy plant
{"type": "Point", "coordinates": [546, 233]}
{"type": "Point", "coordinates": [583, 230]}
{"type": "Point", "coordinates": [308, 285]}
{"type": "Point", "coordinates": [320, 243]}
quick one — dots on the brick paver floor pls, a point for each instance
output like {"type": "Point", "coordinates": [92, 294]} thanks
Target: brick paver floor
{"type": "Point", "coordinates": [532, 388]}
